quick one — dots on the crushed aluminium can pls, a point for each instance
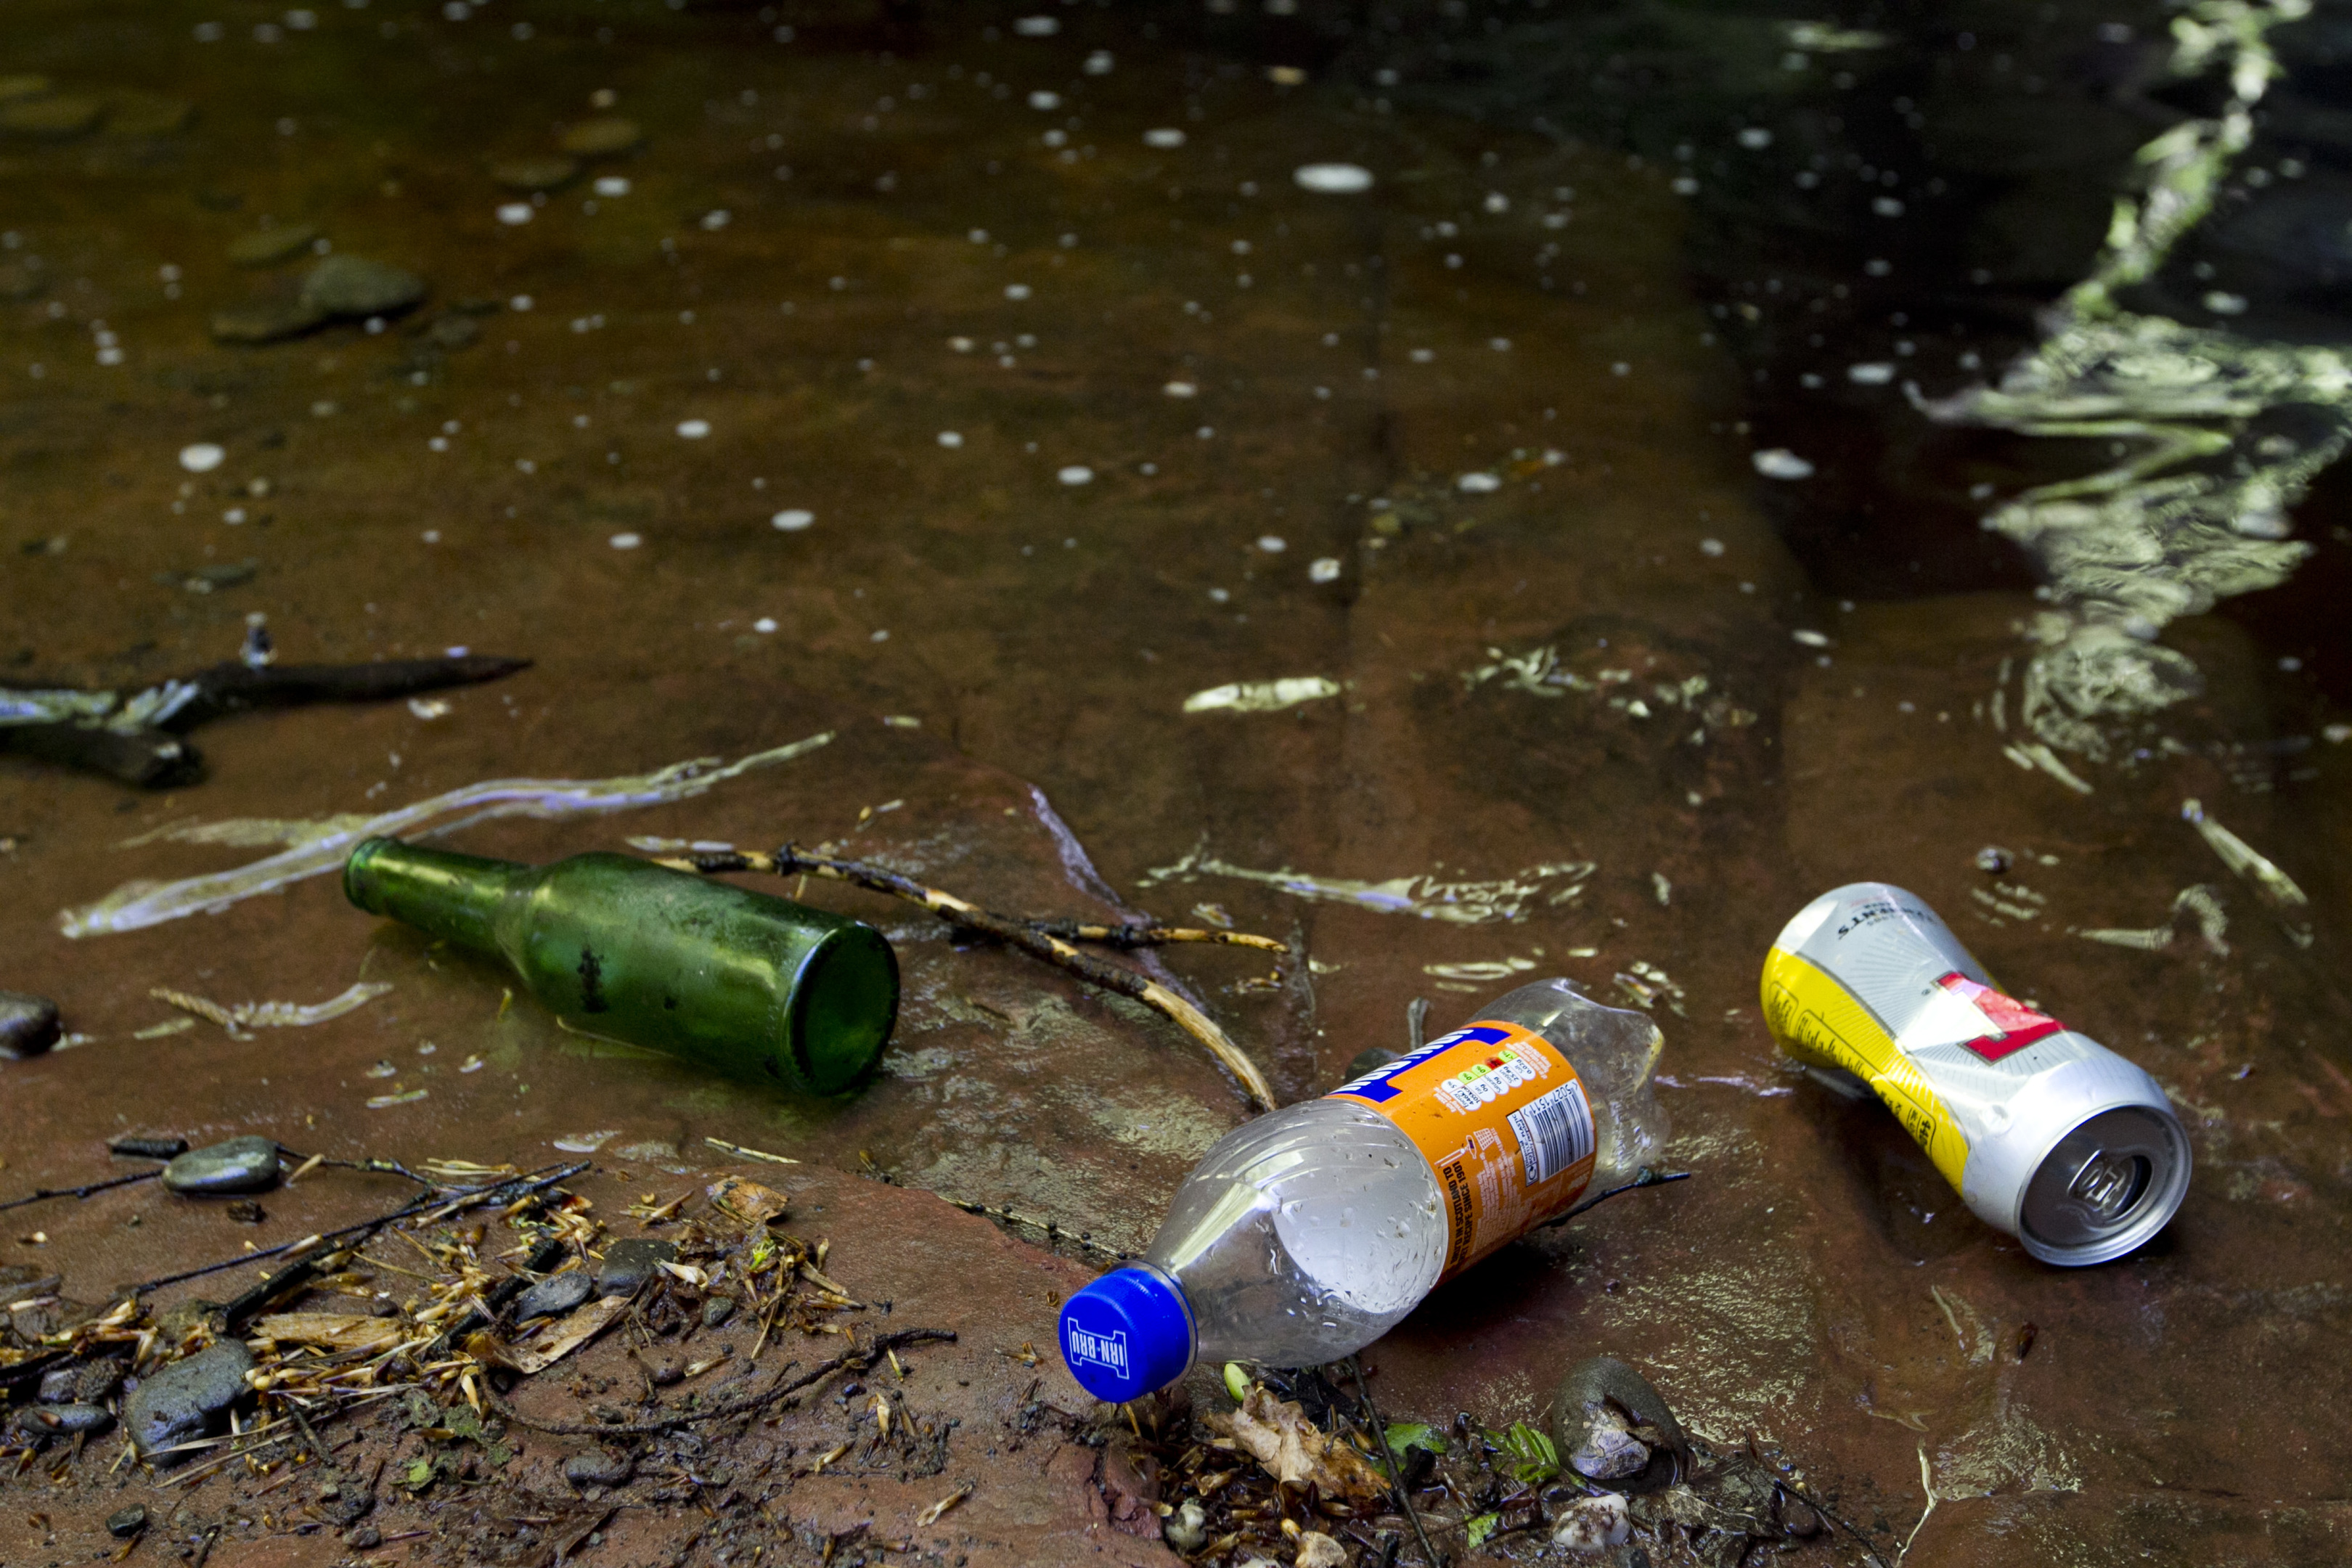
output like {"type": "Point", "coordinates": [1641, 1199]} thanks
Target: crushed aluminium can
{"type": "Point", "coordinates": [2047, 1134]}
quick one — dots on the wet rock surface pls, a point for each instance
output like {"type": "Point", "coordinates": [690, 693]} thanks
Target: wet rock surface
{"type": "Point", "coordinates": [554, 1295]}
{"type": "Point", "coordinates": [1787, 1289]}
{"type": "Point", "coordinates": [630, 1262]}
{"type": "Point", "coordinates": [28, 1024]}
{"type": "Point", "coordinates": [190, 1398]}
{"type": "Point", "coordinates": [247, 1165]}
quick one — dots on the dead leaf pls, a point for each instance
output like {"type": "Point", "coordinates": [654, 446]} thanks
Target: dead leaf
{"type": "Point", "coordinates": [1288, 1447]}
{"type": "Point", "coordinates": [342, 1331]}
{"type": "Point", "coordinates": [1317, 1550]}
{"type": "Point", "coordinates": [746, 1200]}
{"type": "Point", "coordinates": [569, 1334]}
{"type": "Point", "coordinates": [931, 1514]}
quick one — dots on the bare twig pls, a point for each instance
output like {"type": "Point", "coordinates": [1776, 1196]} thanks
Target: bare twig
{"type": "Point", "coordinates": [860, 1359]}
{"type": "Point", "coordinates": [413, 1206]}
{"type": "Point", "coordinates": [42, 1192]}
{"type": "Point", "coordinates": [1388, 1455]}
{"type": "Point", "coordinates": [1053, 949]}
{"type": "Point", "coordinates": [748, 1153]}
{"type": "Point", "coordinates": [1648, 1176]}
{"type": "Point", "coordinates": [1149, 934]}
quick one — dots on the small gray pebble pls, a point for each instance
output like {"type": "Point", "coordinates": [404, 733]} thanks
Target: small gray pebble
{"type": "Point", "coordinates": [28, 1024]}
{"type": "Point", "coordinates": [127, 1523]}
{"type": "Point", "coordinates": [189, 1399]}
{"type": "Point", "coordinates": [554, 1295]}
{"type": "Point", "coordinates": [717, 1310]}
{"type": "Point", "coordinates": [61, 1384]}
{"type": "Point", "coordinates": [63, 1420]}
{"type": "Point", "coordinates": [360, 1537]}
{"type": "Point", "coordinates": [598, 1467]}
{"type": "Point", "coordinates": [239, 1165]}
{"type": "Point", "coordinates": [100, 1379]}
{"type": "Point", "coordinates": [629, 1263]}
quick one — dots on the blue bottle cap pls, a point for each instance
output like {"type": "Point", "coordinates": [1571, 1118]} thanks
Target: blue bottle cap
{"type": "Point", "coordinates": [1128, 1333]}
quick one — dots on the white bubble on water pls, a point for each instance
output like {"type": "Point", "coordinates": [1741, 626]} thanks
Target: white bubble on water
{"type": "Point", "coordinates": [612, 186]}
{"type": "Point", "coordinates": [1273, 544]}
{"type": "Point", "coordinates": [1810, 639]}
{"type": "Point", "coordinates": [514, 212]}
{"type": "Point", "coordinates": [1037, 27]}
{"type": "Point", "coordinates": [950, 438]}
{"type": "Point", "coordinates": [717, 218]}
{"type": "Point", "coordinates": [521, 302]}
{"type": "Point", "coordinates": [1779, 463]}
{"type": "Point", "coordinates": [201, 457]}
{"type": "Point", "coordinates": [1496, 202]}
{"type": "Point", "coordinates": [792, 519]}
{"type": "Point", "coordinates": [1324, 569]}
{"type": "Point", "coordinates": [693, 429]}
{"type": "Point", "coordinates": [1044, 103]}
{"type": "Point", "coordinates": [1163, 136]}
{"type": "Point", "coordinates": [1477, 484]}
{"type": "Point", "coordinates": [1874, 374]}
{"type": "Point", "coordinates": [2223, 304]}
{"type": "Point", "coordinates": [1075, 474]}
{"type": "Point", "coordinates": [1710, 547]}
{"type": "Point", "coordinates": [1016, 291]}
{"type": "Point", "coordinates": [1100, 63]}
{"type": "Point", "coordinates": [1500, 345]}
{"type": "Point", "coordinates": [1333, 179]}
{"type": "Point", "coordinates": [1180, 389]}
{"type": "Point", "coordinates": [626, 540]}
{"type": "Point", "coordinates": [764, 625]}
{"type": "Point", "coordinates": [1756, 139]}
{"type": "Point", "coordinates": [1887, 207]}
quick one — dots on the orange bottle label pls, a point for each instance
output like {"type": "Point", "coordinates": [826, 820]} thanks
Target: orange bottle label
{"type": "Point", "coordinates": [1503, 1119]}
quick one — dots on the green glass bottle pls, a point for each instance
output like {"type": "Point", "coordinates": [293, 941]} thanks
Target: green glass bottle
{"type": "Point", "coordinates": [749, 984]}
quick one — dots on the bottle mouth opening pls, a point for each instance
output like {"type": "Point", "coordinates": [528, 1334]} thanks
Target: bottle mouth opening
{"type": "Point", "coordinates": [833, 1037]}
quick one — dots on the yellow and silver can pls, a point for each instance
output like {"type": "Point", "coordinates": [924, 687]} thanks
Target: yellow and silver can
{"type": "Point", "coordinates": [2047, 1134]}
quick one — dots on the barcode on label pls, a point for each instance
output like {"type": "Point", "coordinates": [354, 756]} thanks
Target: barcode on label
{"type": "Point", "coordinates": [1554, 1131]}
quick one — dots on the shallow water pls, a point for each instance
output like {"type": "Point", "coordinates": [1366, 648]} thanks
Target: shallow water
{"type": "Point", "coordinates": [1591, 585]}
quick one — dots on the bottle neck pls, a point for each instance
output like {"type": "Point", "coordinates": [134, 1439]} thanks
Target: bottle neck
{"type": "Point", "coordinates": [451, 896]}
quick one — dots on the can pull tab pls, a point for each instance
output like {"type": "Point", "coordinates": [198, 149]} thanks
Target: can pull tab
{"type": "Point", "coordinates": [2109, 1184]}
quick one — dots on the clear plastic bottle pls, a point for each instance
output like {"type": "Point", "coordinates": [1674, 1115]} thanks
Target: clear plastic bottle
{"type": "Point", "coordinates": [1305, 1235]}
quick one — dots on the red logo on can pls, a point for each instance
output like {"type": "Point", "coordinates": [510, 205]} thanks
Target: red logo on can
{"type": "Point", "coordinates": [2015, 1024]}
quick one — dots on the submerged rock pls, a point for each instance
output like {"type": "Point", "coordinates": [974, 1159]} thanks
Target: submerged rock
{"type": "Point", "coordinates": [355, 286]}
{"type": "Point", "coordinates": [266, 321]}
{"type": "Point", "coordinates": [628, 1264]}
{"type": "Point", "coordinates": [188, 1399]}
{"type": "Point", "coordinates": [606, 136]}
{"type": "Point", "coordinates": [139, 1146]}
{"type": "Point", "coordinates": [1612, 1429]}
{"type": "Point", "coordinates": [124, 1523]}
{"type": "Point", "coordinates": [28, 1024]}
{"type": "Point", "coordinates": [53, 118]}
{"type": "Point", "coordinates": [536, 174]}
{"type": "Point", "coordinates": [268, 246]}
{"type": "Point", "coordinates": [239, 1165]}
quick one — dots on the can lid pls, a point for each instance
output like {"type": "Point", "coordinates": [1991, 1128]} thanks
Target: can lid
{"type": "Point", "coordinates": [1128, 1333]}
{"type": "Point", "coordinates": [2109, 1184]}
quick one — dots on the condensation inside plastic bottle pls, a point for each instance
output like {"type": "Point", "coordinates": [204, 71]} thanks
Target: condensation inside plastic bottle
{"type": "Point", "coordinates": [1305, 1235]}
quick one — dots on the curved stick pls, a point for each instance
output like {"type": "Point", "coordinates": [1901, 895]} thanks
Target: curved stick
{"type": "Point", "coordinates": [1030, 939]}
